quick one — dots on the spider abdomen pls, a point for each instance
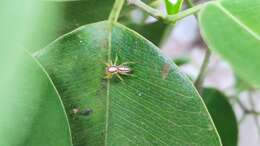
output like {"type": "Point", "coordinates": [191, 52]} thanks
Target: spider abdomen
{"type": "Point", "coordinates": [123, 69]}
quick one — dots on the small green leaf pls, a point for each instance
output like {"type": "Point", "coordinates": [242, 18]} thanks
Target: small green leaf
{"type": "Point", "coordinates": [30, 108]}
{"type": "Point", "coordinates": [181, 61]}
{"type": "Point", "coordinates": [223, 116]}
{"type": "Point", "coordinates": [173, 6]}
{"type": "Point", "coordinates": [157, 105]}
{"type": "Point", "coordinates": [31, 111]}
{"type": "Point", "coordinates": [231, 27]}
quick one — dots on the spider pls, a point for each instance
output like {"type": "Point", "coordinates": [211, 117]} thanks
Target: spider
{"type": "Point", "coordinates": [114, 69]}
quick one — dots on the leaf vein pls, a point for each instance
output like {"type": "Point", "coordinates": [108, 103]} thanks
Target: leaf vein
{"type": "Point", "coordinates": [238, 21]}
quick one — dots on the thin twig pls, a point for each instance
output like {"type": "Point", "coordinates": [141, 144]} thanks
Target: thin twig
{"type": "Point", "coordinates": [245, 109]}
{"type": "Point", "coordinates": [242, 119]}
{"type": "Point", "coordinates": [166, 18]}
{"type": "Point", "coordinates": [253, 112]}
{"type": "Point", "coordinates": [189, 3]}
{"type": "Point", "coordinates": [242, 106]}
{"type": "Point", "coordinates": [203, 70]}
{"type": "Point", "coordinates": [153, 12]}
{"type": "Point", "coordinates": [255, 115]}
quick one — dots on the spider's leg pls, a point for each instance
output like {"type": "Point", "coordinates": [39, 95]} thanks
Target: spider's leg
{"type": "Point", "coordinates": [110, 62]}
{"type": "Point", "coordinates": [107, 64]}
{"type": "Point", "coordinates": [127, 74]}
{"type": "Point", "coordinates": [103, 62]}
{"type": "Point", "coordinates": [125, 63]}
{"type": "Point", "coordinates": [120, 77]}
{"type": "Point", "coordinates": [115, 60]}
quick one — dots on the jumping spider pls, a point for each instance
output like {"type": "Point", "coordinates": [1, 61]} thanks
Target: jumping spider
{"type": "Point", "coordinates": [114, 69]}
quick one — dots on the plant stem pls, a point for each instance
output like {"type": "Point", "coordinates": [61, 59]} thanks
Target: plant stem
{"type": "Point", "coordinates": [190, 3]}
{"type": "Point", "coordinates": [245, 109]}
{"type": "Point", "coordinates": [166, 18]}
{"type": "Point", "coordinates": [242, 119]}
{"type": "Point", "coordinates": [114, 14]}
{"type": "Point", "coordinates": [113, 17]}
{"type": "Point", "coordinates": [255, 115]}
{"type": "Point", "coordinates": [153, 12]}
{"type": "Point", "coordinates": [203, 70]}
{"type": "Point", "coordinates": [242, 106]}
{"type": "Point", "coordinates": [253, 112]}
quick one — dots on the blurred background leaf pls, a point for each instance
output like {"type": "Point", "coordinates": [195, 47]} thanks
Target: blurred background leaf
{"type": "Point", "coordinates": [31, 110]}
{"type": "Point", "coordinates": [65, 16]}
{"type": "Point", "coordinates": [181, 61]}
{"type": "Point", "coordinates": [231, 28]}
{"type": "Point", "coordinates": [223, 115]}
{"type": "Point", "coordinates": [241, 85]}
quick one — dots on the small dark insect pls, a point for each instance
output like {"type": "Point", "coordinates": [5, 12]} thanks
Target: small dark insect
{"type": "Point", "coordinates": [86, 112]}
{"type": "Point", "coordinates": [83, 112]}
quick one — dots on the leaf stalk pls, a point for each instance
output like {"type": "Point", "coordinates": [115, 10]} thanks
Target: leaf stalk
{"type": "Point", "coordinates": [203, 71]}
{"type": "Point", "coordinates": [190, 3]}
{"type": "Point", "coordinates": [113, 17]}
{"type": "Point", "coordinates": [114, 14]}
{"type": "Point", "coordinates": [162, 17]}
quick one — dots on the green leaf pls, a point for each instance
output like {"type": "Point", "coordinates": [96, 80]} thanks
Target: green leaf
{"type": "Point", "coordinates": [30, 108]}
{"type": "Point", "coordinates": [157, 105]}
{"type": "Point", "coordinates": [181, 61]}
{"type": "Point", "coordinates": [223, 116]}
{"type": "Point", "coordinates": [55, 18]}
{"type": "Point", "coordinates": [241, 85]}
{"type": "Point", "coordinates": [173, 6]}
{"type": "Point", "coordinates": [231, 27]}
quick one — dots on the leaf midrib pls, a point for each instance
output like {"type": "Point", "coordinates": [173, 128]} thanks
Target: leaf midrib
{"type": "Point", "coordinates": [112, 19]}
{"type": "Point", "coordinates": [110, 25]}
{"type": "Point", "coordinates": [238, 21]}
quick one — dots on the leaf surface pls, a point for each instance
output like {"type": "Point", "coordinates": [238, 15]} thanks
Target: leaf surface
{"type": "Point", "coordinates": [223, 115]}
{"type": "Point", "coordinates": [31, 111]}
{"type": "Point", "coordinates": [231, 27]}
{"type": "Point", "coordinates": [157, 105]}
